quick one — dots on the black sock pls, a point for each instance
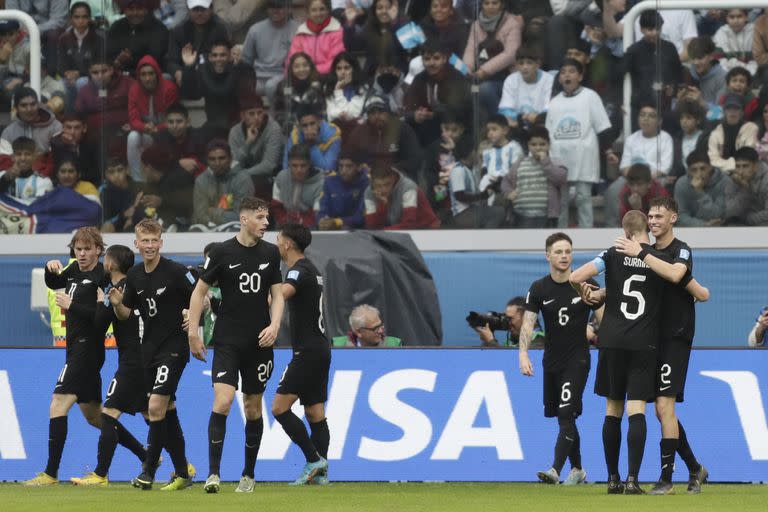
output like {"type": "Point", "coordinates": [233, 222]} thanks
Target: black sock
{"type": "Point", "coordinates": [155, 442]}
{"type": "Point", "coordinates": [107, 444]}
{"type": "Point", "coordinates": [175, 444]}
{"type": "Point", "coordinates": [668, 448]}
{"type": "Point", "coordinates": [612, 443]}
{"type": "Point", "coordinates": [253, 431]}
{"type": "Point", "coordinates": [321, 437]}
{"type": "Point", "coordinates": [217, 430]}
{"type": "Point", "coordinates": [575, 455]}
{"type": "Point", "coordinates": [564, 442]}
{"type": "Point", "coordinates": [295, 429]}
{"type": "Point", "coordinates": [57, 436]}
{"type": "Point", "coordinates": [636, 434]}
{"type": "Point", "coordinates": [684, 449]}
{"type": "Point", "coordinates": [126, 439]}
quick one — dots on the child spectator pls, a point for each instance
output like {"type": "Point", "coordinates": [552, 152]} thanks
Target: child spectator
{"type": "Point", "coordinates": [393, 201]}
{"type": "Point", "coordinates": [440, 159]}
{"type": "Point", "coordinates": [690, 115]}
{"type": "Point", "coordinates": [168, 190]}
{"type": "Point", "coordinates": [575, 119]}
{"type": "Point", "coordinates": [527, 91]}
{"type": "Point", "coordinates": [300, 87]}
{"type": "Point", "coordinates": [342, 205]}
{"type": "Point", "coordinates": [738, 81]}
{"type": "Point", "coordinates": [68, 176]}
{"type": "Point", "coordinates": [535, 184]}
{"type": "Point", "coordinates": [468, 203]}
{"type": "Point", "coordinates": [700, 194]}
{"type": "Point", "coordinates": [297, 190]}
{"type": "Point", "coordinates": [32, 120]}
{"type": "Point", "coordinates": [746, 195]}
{"type": "Point", "coordinates": [14, 58]}
{"type": "Point", "coordinates": [734, 40]}
{"type": "Point", "coordinates": [499, 157]}
{"type": "Point", "coordinates": [345, 92]}
{"type": "Point", "coordinates": [321, 37]}
{"type": "Point", "coordinates": [639, 190]}
{"type": "Point", "coordinates": [20, 181]}
{"type": "Point", "coordinates": [148, 99]}
{"type": "Point", "coordinates": [70, 144]}
{"type": "Point", "coordinates": [705, 71]}
{"type": "Point", "coordinates": [323, 138]}
{"type": "Point", "coordinates": [120, 196]}
{"type": "Point", "coordinates": [184, 143]}
{"type": "Point", "coordinates": [732, 134]}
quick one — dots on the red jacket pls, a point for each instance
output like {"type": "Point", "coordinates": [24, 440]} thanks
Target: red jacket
{"type": "Point", "coordinates": [407, 208]}
{"type": "Point", "coordinates": [656, 190]}
{"type": "Point", "coordinates": [165, 94]}
{"type": "Point", "coordinates": [108, 113]}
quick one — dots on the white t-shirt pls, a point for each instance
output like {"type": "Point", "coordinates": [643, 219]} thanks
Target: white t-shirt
{"type": "Point", "coordinates": [655, 152]}
{"type": "Point", "coordinates": [573, 123]}
{"type": "Point", "coordinates": [678, 26]}
{"type": "Point", "coordinates": [520, 97]}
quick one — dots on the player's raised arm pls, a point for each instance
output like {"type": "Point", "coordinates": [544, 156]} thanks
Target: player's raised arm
{"type": "Point", "coordinates": [196, 300]}
{"type": "Point", "coordinates": [268, 336]}
{"type": "Point", "coordinates": [672, 272]}
{"type": "Point", "coordinates": [116, 299]}
{"type": "Point", "coordinates": [526, 333]}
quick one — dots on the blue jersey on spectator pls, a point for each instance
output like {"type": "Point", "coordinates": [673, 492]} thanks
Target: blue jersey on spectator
{"type": "Point", "coordinates": [344, 201]}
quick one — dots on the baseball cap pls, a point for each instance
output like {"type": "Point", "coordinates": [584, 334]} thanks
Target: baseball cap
{"type": "Point", "coordinates": [733, 100]}
{"type": "Point", "coordinates": [205, 4]}
{"type": "Point", "coordinates": [8, 26]}
{"type": "Point", "coordinates": [377, 102]}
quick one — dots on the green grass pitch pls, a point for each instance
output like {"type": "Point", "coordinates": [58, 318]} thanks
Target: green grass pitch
{"type": "Point", "coordinates": [371, 497]}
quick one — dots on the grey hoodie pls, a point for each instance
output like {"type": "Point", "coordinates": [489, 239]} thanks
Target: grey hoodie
{"type": "Point", "coordinates": [262, 157]}
{"type": "Point", "coordinates": [41, 131]}
{"type": "Point", "coordinates": [208, 193]}
{"type": "Point", "coordinates": [749, 204]}
{"type": "Point", "coordinates": [697, 208]}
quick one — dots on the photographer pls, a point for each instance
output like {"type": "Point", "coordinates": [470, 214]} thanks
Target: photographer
{"type": "Point", "coordinates": [759, 333]}
{"type": "Point", "coordinates": [511, 321]}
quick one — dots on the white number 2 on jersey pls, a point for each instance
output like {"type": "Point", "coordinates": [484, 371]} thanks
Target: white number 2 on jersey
{"type": "Point", "coordinates": [635, 294]}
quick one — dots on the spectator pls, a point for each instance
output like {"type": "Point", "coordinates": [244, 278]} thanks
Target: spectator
{"type": "Point", "coordinates": [21, 181]}
{"type": "Point", "coordinates": [446, 27]}
{"type": "Point", "coordinates": [168, 190]}
{"type": "Point", "coordinates": [535, 184]}
{"type": "Point", "coordinates": [439, 159]}
{"type": "Point", "coordinates": [77, 46]}
{"type": "Point", "coordinates": [679, 29]}
{"type": "Point", "coordinates": [32, 120]}
{"type": "Point", "coordinates": [70, 145]}
{"type": "Point", "coordinates": [68, 176]}
{"type": "Point", "coordinates": [266, 47]}
{"type": "Point", "coordinates": [345, 92]}
{"type": "Point", "coordinates": [321, 37]}
{"type": "Point", "coordinates": [104, 13]}
{"type": "Point", "coordinates": [527, 91]}
{"type": "Point", "coordinates": [384, 136]}
{"type": "Point", "coordinates": [300, 87]}
{"type": "Point", "coordinates": [731, 135]}
{"type": "Point", "coordinates": [14, 58]}
{"type": "Point", "coordinates": [378, 40]}
{"type": "Point", "coordinates": [746, 195]}
{"type": "Point", "coordinates": [366, 330]}
{"type": "Point", "coordinates": [257, 143]}
{"type": "Point", "coordinates": [438, 87]}
{"type": "Point", "coordinates": [757, 336]}
{"type": "Point", "coordinates": [700, 194]}
{"type": "Point", "coordinates": [323, 138]}
{"type": "Point", "coordinates": [514, 311]}
{"type": "Point", "coordinates": [393, 201]}
{"type": "Point", "coordinates": [760, 40]}
{"type": "Point", "coordinates": [120, 197]}
{"type": "Point", "coordinates": [734, 40]}
{"type": "Point", "coordinates": [220, 83]}
{"type": "Point", "coordinates": [690, 117]}
{"type": "Point", "coordinates": [490, 52]}
{"type": "Point", "coordinates": [342, 204]}
{"type": "Point", "coordinates": [575, 119]}
{"type": "Point", "coordinates": [297, 190]}
{"type": "Point", "coordinates": [640, 189]}
{"type": "Point", "coordinates": [172, 12]}
{"type": "Point", "coordinates": [239, 16]}
{"type": "Point", "coordinates": [51, 19]}
{"type": "Point", "coordinates": [737, 82]}
{"type": "Point", "coordinates": [566, 23]}
{"type": "Point", "coordinates": [500, 154]}
{"type": "Point", "coordinates": [469, 206]}
{"type": "Point", "coordinates": [138, 34]}
{"type": "Point", "coordinates": [103, 101]}
{"type": "Point", "coordinates": [220, 188]}
{"type": "Point", "coordinates": [148, 99]}
{"type": "Point", "coordinates": [706, 71]}
{"type": "Point", "coordinates": [389, 83]}
{"type": "Point", "coordinates": [183, 142]}
{"type": "Point", "coordinates": [762, 122]}
{"type": "Point", "coordinates": [197, 32]}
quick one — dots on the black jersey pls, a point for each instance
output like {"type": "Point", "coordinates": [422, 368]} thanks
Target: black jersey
{"type": "Point", "coordinates": [633, 302]}
{"type": "Point", "coordinates": [565, 321]}
{"type": "Point", "coordinates": [160, 296]}
{"type": "Point", "coordinates": [678, 316]}
{"type": "Point", "coordinates": [126, 331]}
{"type": "Point", "coordinates": [306, 306]}
{"type": "Point", "coordinates": [244, 276]}
{"type": "Point", "coordinates": [82, 288]}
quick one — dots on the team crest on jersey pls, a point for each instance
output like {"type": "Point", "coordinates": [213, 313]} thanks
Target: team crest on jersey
{"type": "Point", "coordinates": [161, 290]}
{"type": "Point", "coordinates": [575, 300]}
{"type": "Point", "coordinates": [684, 254]}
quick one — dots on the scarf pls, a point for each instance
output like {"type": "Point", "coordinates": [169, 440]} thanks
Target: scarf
{"type": "Point", "coordinates": [489, 24]}
{"type": "Point", "coordinates": [730, 134]}
{"type": "Point", "coordinates": [316, 28]}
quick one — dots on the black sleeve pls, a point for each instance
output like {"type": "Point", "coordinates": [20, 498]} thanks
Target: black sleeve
{"type": "Point", "coordinates": [186, 282]}
{"type": "Point", "coordinates": [55, 281]}
{"type": "Point", "coordinates": [130, 299]}
{"type": "Point", "coordinates": [533, 299]}
{"type": "Point", "coordinates": [274, 262]}
{"type": "Point", "coordinates": [212, 267]}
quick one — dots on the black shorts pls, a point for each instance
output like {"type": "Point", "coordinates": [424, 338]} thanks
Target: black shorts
{"type": "Point", "coordinates": [79, 377]}
{"type": "Point", "coordinates": [248, 368]}
{"type": "Point", "coordinates": [626, 374]}
{"type": "Point", "coordinates": [672, 368]}
{"type": "Point", "coordinates": [126, 391]}
{"type": "Point", "coordinates": [163, 376]}
{"type": "Point", "coordinates": [563, 390]}
{"type": "Point", "coordinates": [307, 376]}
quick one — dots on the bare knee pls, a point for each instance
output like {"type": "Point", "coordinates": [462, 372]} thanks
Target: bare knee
{"type": "Point", "coordinates": [252, 407]}
{"type": "Point", "coordinates": [223, 396]}
{"type": "Point", "coordinates": [315, 413]}
{"type": "Point", "coordinates": [158, 406]}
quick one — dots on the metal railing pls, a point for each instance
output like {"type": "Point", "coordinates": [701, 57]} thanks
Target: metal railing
{"type": "Point", "coordinates": [34, 44]}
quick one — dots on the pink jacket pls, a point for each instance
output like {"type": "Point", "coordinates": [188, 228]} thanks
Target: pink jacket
{"type": "Point", "coordinates": [509, 34]}
{"type": "Point", "coordinates": [321, 48]}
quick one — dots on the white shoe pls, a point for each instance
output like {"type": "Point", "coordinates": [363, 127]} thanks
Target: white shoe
{"type": "Point", "coordinates": [576, 477]}
{"type": "Point", "coordinates": [246, 484]}
{"type": "Point", "coordinates": [212, 484]}
{"type": "Point", "coordinates": [549, 476]}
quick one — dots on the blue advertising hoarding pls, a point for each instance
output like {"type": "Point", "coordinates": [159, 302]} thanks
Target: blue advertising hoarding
{"type": "Point", "coordinates": [407, 414]}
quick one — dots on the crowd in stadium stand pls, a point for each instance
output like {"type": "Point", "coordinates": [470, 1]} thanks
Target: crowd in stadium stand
{"type": "Point", "coordinates": [387, 114]}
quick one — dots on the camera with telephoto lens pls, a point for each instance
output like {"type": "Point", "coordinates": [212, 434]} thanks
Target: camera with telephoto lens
{"type": "Point", "coordinates": [495, 321]}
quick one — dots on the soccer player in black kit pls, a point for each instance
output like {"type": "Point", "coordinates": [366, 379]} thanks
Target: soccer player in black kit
{"type": "Point", "coordinates": [246, 269]}
{"type": "Point", "coordinates": [306, 376]}
{"type": "Point", "coordinates": [673, 262]}
{"type": "Point", "coordinates": [125, 393]}
{"type": "Point", "coordinates": [629, 341]}
{"type": "Point", "coordinates": [566, 359]}
{"type": "Point", "coordinates": [160, 290]}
